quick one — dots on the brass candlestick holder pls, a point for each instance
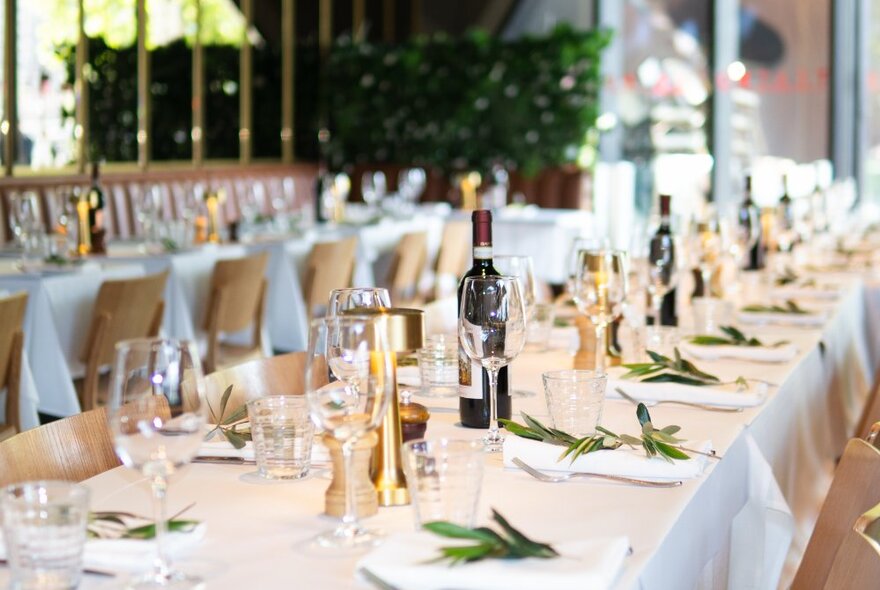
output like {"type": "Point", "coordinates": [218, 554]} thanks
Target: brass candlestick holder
{"type": "Point", "coordinates": [406, 332]}
{"type": "Point", "coordinates": [83, 232]}
{"type": "Point", "coordinates": [213, 201]}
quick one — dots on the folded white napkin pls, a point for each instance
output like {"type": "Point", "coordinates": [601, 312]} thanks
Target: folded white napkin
{"type": "Point", "coordinates": [716, 395]}
{"type": "Point", "coordinates": [132, 555]}
{"type": "Point", "coordinates": [409, 375]}
{"type": "Point", "coordinates": [822, 292]}
{"type": "Point", "coordinates": [624, 461]}
{"type": "Point", "coordinates": [761, 354]}
{"type": "Point", "coordinates": [816, 319]}
{"type": "Point", "coordinates": [402, 561]}
{"type": "Point", "coordinates": [220, 447]}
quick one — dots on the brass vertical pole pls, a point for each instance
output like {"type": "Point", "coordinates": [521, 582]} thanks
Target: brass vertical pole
{"type": "Point", "coordinates": [143, 89]}
{"type": "Point", "coordinates": [9, 126]}
{"type": "Point", "coordinates": [198, 93]}
{"type": "Point", "coordinates": [246, 111]}
{"type": "Point", "coordinates": [325, 26]}
{"type": "Point", "coordinates": [81, 92]}
{"type": "Point", "coordinates": [358, 12]}
{"type": "Point", "coordinates": [389, 20]}
{"type": "Point", "coordinates": [288, 38]}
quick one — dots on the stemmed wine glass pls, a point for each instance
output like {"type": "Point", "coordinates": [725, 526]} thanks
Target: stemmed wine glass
{"type": "Point", "coordinates": [706, 253]}
{"type": "Point", "coordinates": [520, 267]}
{"type": "Point", "coordinates": [574, 259]}
{"type": "Point", "coordinates": [352, 404]}
{"type": "Point", "coordinates": [157, 417]}
{"type": "Point", "coordinates": [600, 290]}
{"type": "Point", "coordinates": [662, 273]}
{"type": "Point", "coordinates": [357, 297]}
{"type": "Point", "coordinates": [373, 188]}
{"type": "Point", "coordinates": [492, 331]}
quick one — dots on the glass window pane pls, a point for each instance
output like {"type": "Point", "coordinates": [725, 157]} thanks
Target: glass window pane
{"type": "Point", "coordinates": [266, 40]}
{"type": "Point", "coordinates": [46, 39]}
{"type": "Point", "coordinates": [111, 30]}
{"type": "Point", "coordinates": [169, 41]}
{"type": "Point", "coordinates": [222, 34]}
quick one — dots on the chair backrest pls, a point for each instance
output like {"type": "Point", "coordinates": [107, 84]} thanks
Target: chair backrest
{"type": "Point", "coordinates": [330, 265]}
{"type": "Point", "coordinates": [72, 449]}
{"type": "Point", "coordinates": [454, 253]}
{"type": "Point", "coordinates": [11, 343]}
{"type": "Point", "coordinates": [857, 562]}
{"type": "Point", "coordinates": [126, 308]}
{"type": "Point", "coordinates": [237, 288]}
{"type": "Point", "coordinates": [407, 265]}
{"type": "Point", "coordinates": [871, 411]}
{"type": "Point", "coordinates": [277, 375]}
{"type": "Point", "coordinates": [854, 490]}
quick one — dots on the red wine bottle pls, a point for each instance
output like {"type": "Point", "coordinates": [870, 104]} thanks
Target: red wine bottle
{"type": "Point", "coordinates": [757, 253]}
{"type": "Point", "coordinates": [473, 380]}
{"type": "Point", "coordinates": [662, 247]}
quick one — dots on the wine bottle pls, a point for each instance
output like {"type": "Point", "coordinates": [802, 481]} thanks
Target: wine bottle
{"type": "Point", "coordinates": [747, 212]}
{"type": "Point", "coordinates": [786, 210]}
{"type": "Point", "coordinates": [473, 400]}
{"type": "Point", "coordinates": [96, 212]}
{"type": "Point", "coordinates": [320, 186]}
{"type": "Point", "coordinates": [662, 245]}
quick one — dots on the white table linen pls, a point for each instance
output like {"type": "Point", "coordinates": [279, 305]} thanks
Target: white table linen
{"type": "Point", "coordinates": [758, 354]}
{"type": "Point", "coordinates": [718, 395]}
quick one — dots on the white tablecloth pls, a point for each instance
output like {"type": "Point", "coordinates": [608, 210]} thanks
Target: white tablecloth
{"type": "Point", "coordinates": [729, 529]}
{"type": "Point", "coordinates": [56, 324]}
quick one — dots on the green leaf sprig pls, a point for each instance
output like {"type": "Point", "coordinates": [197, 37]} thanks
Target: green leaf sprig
{"type": "Point", "coordinates": [169, 245]}
{"type": "Point", "coordinates": [789, 307]}
{"type": "Point", "coordinates": [508, 544]}
{"type": "Point", "coordinates": [663, 369]}
{"type": "Point", "coordinates": [115, 525]}
{"type": "Point", "coordinates": [787, 277]}
{"type": "Point", "coordinates": [227, 425]}
{"type": "Point", "coordinates": [735, 338]}
{"type": "Point", "coordinates": [57, 260]}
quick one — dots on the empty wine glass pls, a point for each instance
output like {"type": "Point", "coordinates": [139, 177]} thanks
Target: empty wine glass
{"type": "Point", "coordinates": [520, 267]}
{"type": "Point", "coordinates": [157, 418]}
{"type": "Point", "coordinates": [492, 331]}
{"type": "Point", "coordinates": [354, 346]}
{"type": "Point", "coordinates": [373, 187]}
{"type": "Point", "coordinates": [600, 290]}
{"type": "Point", "coordinates": [574, 258]}
{"type": "Point", "coordinates": [357, 297]}
{"type": "Point", "coordinates": [706, 253]}
{"type": "Point", "coordinates": [410, 184]}
{"type": "Point", "coordinates": [662, 272]}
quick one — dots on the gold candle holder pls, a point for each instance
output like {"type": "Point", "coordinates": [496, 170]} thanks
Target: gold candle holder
{"type": "Point", "coordinates": [468, 185]}
{"type": "Point", "coordinates": [84, 232]}
{"type": "Point", "coordinates": [405, 331]}
{"type": "Point", "coordinates": [212, 204]}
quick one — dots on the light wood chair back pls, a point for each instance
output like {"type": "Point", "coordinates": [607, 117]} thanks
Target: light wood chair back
{"type": "Point", "coordinates": [871, 411]}
{"type": "Point", "coordinates": [407, 266]}
{"type": "Point", "coordinates": [72, 449]}
{"type": "Point", "coordinates": [330, 265]}
{"type": "Point", "coordinates": [857, 562]}
{"type": "Point", "coordinates": [455, 249]}
{"type": "Point", "coordinates": [278, 375]}
{"type": "Point", "coordinates": [237, 301]}
{"type": "Point", "coordinates": [854, 490]}
{"type": "Point", "coordinates": [128, 308]}
{"type": "Point", "coordinates": [12, 310]}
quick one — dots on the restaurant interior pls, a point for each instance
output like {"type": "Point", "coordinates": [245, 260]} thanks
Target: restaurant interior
{"type": "Point", "coordinates": [423, 295]}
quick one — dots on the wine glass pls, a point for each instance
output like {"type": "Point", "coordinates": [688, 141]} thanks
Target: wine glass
{"type": "Point", "coordinates": [492, 331]}
{"type": "Point", "coordinates": [574, 258]}
{"type": "Point", "coordinates": [410, 184]}
{"type": "Point", "coordinates": [662, 272]}
{"type": "Point", "coordinates": [357, 297]}
{"type": "Point", "coordinates": [353, 346]}
{"type": "Point", "coordinates": [157, 418]}
{"type": "Point", "coordinates": [373, 187]}
{"type": "Point", "coordinates": [600, 290]}
{"type": "Point", "coordinates": [520, 267]}
{"type": "Point", "coordinates": [706, 254]}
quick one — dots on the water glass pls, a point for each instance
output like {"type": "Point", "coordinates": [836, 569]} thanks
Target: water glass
{"type": "Point", "coordinates": [663, 339]}
{"type": "Point", "coordinates": [574, 400]}
{"type": "Point", "coordinates": [444, 477]}
{"type": "Point", "coordinates": [540, 326]}
{"type": "Point", "coordinates": [44, 524]}
{"type": "Point", "coordinates": [438, 366]}
{"type": "Point", "coordinates": [710, 313]}
{"type": "Point", "coordinates": [282, 433]}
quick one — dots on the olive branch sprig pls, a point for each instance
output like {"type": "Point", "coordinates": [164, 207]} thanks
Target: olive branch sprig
{"type": "Point", "coordinates": [227, 425]}
{"type": "Point", "coordinates": [789, 307]}
{"type": "Point", "coordinates": [735, 338]}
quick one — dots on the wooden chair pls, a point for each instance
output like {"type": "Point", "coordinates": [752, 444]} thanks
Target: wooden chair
{"type": "Point", "coordinates": [11, 345]}
{"type": "Point", "coordinates": [237, 301]}
{"type": "Point", "coordinates": [407, 266]}
{"type": "Point", "coordinates": [871, 412]}
{"type": "Point", "coordinates": [73, 449]}
{"type": "Point", "coordinates": [453, 258]}
{"type": "Point", "coordinates": [854, 491]}
{"type": "Point", "coordinates": [129, 308]}
{"type": "Point", "coordinates": [857, 562]}
{"type": "Point", "coordinates": [330, 265]}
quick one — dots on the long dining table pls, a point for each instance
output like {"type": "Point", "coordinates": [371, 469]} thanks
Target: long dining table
{"type": "Point", "coordinates": [742, 524]}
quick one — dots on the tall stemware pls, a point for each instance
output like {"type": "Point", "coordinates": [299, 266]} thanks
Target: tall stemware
{"type": "Point", "coordinates": [706, 252]}
{"type": "Point", "coordinates": [157, 418]}
{"type": "Point", "coordinates": [353, 402]}
{"type": "Point", "coordinates": [357, 297]}
{"type": "Point", "coordinates": [492, 331]}
{"type": "Point", "coordinates": [600, 290]}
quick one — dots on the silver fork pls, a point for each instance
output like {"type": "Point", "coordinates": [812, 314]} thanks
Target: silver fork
{"type": "Point", "coordinates": [540, 475]}
{"type": "Point", "coordinates": [650, 404]}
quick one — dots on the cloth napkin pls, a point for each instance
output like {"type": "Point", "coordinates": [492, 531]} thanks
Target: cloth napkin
{"type": "Point", "coordinates": [402, 561]}
{"type": "Point", "coordinates": [717, 395]}
{"type": "Point", "coordinates": [220, 447]}
{"type": "Point", "coordinates": [761, 354]}
{"type": "Point", "coordinates": [786, 319]}
{"type": "Point", "coordinates": [623, 461]}
{"type": "Point", "coordinates": [132, 555]}
{"type": "Point", "coordinates": [824, 293]}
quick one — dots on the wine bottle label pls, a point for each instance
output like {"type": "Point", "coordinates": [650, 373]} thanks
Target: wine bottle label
{"type": "Point", "coordinates": [470, 383]}
{"type": "Point", "coordinates": [482, 252]}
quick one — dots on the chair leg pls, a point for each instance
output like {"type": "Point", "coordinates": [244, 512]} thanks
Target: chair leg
{"type": "Point", "coordinates": [13, 384]}
{"type": "Point", "coordinates": [89, 394]}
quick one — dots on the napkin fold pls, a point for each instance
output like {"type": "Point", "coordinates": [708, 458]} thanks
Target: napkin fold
{"type": "Point", "coordinates": [761, 354]}
{"type": "Point", "coordinates": [784, 319]}
{"type": "Point", "coordinates": [716, 395]}
{"type": "Point", "coordinates": [403, 561]}
{"type": "Point", "coordinates": [624, 461]}
{"type": "Point", "coordinates": [800, 292]}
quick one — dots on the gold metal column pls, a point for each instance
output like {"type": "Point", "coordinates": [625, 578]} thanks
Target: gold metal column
{"type": "Point", "coordinates": [81, 92]}
{"type": "Point", "coordinates": [143, 89]}
{"type": "Point", "coordinates": [9, 125]}
{"type": "Point", "coordinates": [389, 18]}
{"type": "Point", "coordinates": [288, 55]}
{"type": "Point", "coordinates": [358, 12]}
{"type": "Point", "coordinates": [246, 70]}
{"type": "Point", "coordinates": [325, 27]}
{"type": "Point", "coordinates": [198, 93]}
